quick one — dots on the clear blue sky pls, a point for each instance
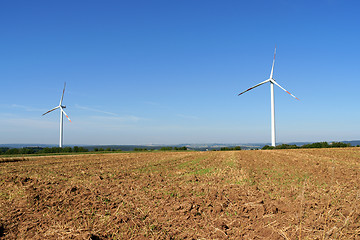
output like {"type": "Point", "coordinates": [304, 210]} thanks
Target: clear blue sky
{"type": "Point", "coordinates": [168, 72]}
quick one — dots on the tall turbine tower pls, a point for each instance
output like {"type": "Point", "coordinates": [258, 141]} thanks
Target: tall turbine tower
{"type": "Point", "coordinates": [272, 82]}
{"type": "Point", "coordinates": [61, 116]}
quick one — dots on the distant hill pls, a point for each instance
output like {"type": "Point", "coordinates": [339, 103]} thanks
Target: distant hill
{"type": "Point", "coordinates": [353, 143]}
{"type": "Point", "coordinates": [23, 145]}
{"type": "Point", "coordinates": [121, 147]}
{"type": "Point", "coordinates": [197, 147]}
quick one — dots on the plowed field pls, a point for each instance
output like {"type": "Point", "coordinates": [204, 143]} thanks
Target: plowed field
{"type": "Point", "coordinates": [276, 194]}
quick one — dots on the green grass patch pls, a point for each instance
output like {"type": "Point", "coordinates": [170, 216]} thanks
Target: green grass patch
{"type": "Point", "coordinates": [203, 171]}
{"type": "Point", "coordinates": [189, 163]}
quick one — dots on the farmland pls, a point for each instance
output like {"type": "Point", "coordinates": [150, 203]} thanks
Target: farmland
{"type": "Point", "coordinates": [270, 194]}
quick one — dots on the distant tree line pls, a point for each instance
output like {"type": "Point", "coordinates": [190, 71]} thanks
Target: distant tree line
{"type": "Point", "coordinates": [237, 148]}
{"type": "Point", "coordinates": [173, 148]}
{"type": "Point", "coordinates": [106, 149]}
{"type": "Point", "coordinates": [76, 149]}
{"type": "Point", "coordinates": [142, 149]}
{"type": "Point", "coordinates": [162, 149]}
{"type": "Point", "coordinates": [40, 150]}
{"type": "Point", "coordinates": [311, 145]}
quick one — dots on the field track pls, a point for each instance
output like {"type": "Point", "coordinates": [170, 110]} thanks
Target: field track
{"type": "Point", "coordinates": [273, 194]}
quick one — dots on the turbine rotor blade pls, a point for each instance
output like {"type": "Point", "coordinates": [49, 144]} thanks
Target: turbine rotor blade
{"type": "Point", "coordinates": [62, 96]}
{"type": "Point", "coordinates": [284, 89]}
{"type": "Point", "coordinates": [51, 110]}
{"type": "Point", "coordinates": [254, 86]}
{"type": "Point", "coordinates": [62, 110]}
{"type": "Point", "coordinates": [272, 68]}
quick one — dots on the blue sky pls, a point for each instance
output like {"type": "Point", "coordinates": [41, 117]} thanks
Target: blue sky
{"type": "Point", "coordinates": [168, 72]}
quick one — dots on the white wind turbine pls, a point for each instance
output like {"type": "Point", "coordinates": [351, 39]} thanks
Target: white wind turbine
{"type": "Point", "coordinates": [61, 116]}
{"type": "Point", "coordinates": [272, 82]}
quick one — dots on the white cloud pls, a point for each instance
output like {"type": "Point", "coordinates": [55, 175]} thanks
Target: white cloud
{"type": "Point", "coordinates": [23, 107]}
{"type": "Point", "coordinates": [127, 118]}
{"type": "Point", "coordinates": [95, 110]}
{"type": "Point", "coordinates": [111, 115]}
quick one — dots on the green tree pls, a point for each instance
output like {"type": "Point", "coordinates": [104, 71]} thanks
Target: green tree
{"type": "Point", "coordinates": [67, 149]}
{"type": "Point", "coordinates": [26, 151]}
{"type": "Point", "coordinates": [316, 145]}
{"type": "Point", "coordinates": [82, 149]}
{"type": "Point", "coordinates": [3, 150]}
{"type": "Point", "coordinates": [12, 151]}
{"type": "Point", "coordinates": [166, 149]}
{"type": "Point", "coordinates": [339, 145]}
{"type": "Point", "coordinates": [267, 147]}
{"type": "Point", "coordinates": [286, 146]}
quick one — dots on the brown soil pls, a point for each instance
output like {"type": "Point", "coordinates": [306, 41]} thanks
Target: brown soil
{"type": "Point", "coordinates": [278, 194]}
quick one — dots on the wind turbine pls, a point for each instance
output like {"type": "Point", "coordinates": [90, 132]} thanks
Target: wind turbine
{"type": "Point", "coordinates": [272, 82]}
{"type": "Point", "coordinates": [61, 107]}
